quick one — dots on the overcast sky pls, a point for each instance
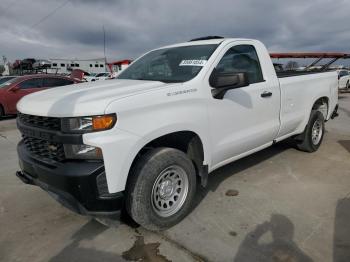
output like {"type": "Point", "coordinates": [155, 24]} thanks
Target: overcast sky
{"type": "Point", "coordinates": [73, 29]}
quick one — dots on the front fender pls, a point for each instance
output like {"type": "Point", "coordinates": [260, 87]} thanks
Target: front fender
{"type": "Point", "coordinates": [156, 113]}
{"type": "Point", "coordinates": [166, 130]}
{"type": "Point", "coordinates": [120, 148]}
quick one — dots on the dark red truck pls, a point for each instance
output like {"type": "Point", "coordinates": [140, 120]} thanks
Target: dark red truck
{"type": "Point", "coordinates": [14, 89]}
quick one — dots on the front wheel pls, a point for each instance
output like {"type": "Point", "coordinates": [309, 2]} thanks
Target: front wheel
{"type": "Point", "coordinates": [312, 137]}
{"type": "Point", "coordinates": [161, 188]}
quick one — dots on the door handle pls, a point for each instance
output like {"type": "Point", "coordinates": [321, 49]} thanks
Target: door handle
{"type": "Point", "coordinates": [266, 94]}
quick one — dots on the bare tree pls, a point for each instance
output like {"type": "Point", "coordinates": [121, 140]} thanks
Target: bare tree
{"type": "Point", "coordinates": [292, 65]}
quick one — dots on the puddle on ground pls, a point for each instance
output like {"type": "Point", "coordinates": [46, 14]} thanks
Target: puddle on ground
{"type": "Point", "coordinates": [233, 233]}
{"type": "Point", "coordinates": [232, 192]}
{"type": "Point", "coordinates": [144, 252]}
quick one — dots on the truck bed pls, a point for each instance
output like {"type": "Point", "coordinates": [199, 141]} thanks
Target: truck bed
{"type": "Point", "coordinates": [296, 92]}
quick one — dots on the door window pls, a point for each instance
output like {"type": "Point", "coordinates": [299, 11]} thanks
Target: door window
{"type": "Point", "coordinates": [241, 59]}
{"type": "Point", "coordinates": [31, 83]}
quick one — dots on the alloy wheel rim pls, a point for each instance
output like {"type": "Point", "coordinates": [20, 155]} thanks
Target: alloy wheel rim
{"type": "Point", "coordinates": [170, 191]}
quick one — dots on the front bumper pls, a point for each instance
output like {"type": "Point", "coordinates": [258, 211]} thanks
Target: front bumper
{"type": "Point", "coordinates": [73, 183]}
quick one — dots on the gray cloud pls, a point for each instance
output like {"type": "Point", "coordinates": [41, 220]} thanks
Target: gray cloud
{"type": "Point", "coordinates": [133, 27]}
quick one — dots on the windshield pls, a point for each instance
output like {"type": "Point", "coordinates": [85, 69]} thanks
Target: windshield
{"type": "Point", "coordinates": [170, 65]}
{"type": "Point", "coordinates": [6, 81]}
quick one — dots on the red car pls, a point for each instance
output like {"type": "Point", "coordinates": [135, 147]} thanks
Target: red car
{"type": "Point", "coordinates": [14, 89]}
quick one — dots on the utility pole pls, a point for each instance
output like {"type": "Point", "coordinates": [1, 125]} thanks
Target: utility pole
{"type": "Point", "coordinates": [104, 44]}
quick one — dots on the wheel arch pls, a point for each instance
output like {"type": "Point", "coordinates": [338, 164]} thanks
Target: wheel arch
{"type": "Point", "coordinates": [322, 104]}
{"type": "Point", "coordinates": [186, 141]}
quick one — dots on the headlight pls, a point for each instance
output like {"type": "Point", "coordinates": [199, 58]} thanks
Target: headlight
{"type": "Point", "coordinates": [82, 152]}
{"type": "Point", "coordinates": [88, 124]}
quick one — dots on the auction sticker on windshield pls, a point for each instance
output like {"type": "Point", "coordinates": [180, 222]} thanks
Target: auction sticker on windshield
{"type": "Point", "coordinates": [193, 62]}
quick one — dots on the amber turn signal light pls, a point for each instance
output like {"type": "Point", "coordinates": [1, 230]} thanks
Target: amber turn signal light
{"type": "Point", "coordinates": [103, 122]}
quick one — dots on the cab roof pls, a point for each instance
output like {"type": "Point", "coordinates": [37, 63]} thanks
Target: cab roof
{"type": "Point", "coordinates": [205, 41]}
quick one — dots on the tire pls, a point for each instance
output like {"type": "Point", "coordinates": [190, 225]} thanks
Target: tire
{"type": "Point", "coordinates": [2, 113]}
{"type": "Point", "coordinates": [313, 135]}
{"type": "Point", "coordinates": [347, 85]}
{"type": "Point", "coordinates": [154, 202]}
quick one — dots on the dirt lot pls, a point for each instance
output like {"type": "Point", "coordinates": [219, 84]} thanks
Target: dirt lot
{"type": "Point", "coordinates": [282, 205]}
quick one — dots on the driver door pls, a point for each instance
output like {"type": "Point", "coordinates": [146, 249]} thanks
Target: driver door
{"type": "Point", "coordinates": [247, 117]}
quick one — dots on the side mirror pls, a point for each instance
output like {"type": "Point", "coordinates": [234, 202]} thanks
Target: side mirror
{"type": "Point", "coordinates": [14, 89]}
{"type": "Point", "coordinates": [222, 82]}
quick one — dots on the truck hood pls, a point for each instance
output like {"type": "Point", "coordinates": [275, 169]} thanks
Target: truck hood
{"type": "Point", "coordinates": [83, 99]}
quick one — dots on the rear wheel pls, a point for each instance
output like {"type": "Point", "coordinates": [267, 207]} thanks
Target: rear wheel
{"type": "Point", "coordinates": [161, 188]}
{"type": "Point", "coordinates": [2, 113]}
{"type": "Point", "coordinates": [347, 85]}
{"type": "Point", "coordinates": [312, 137]}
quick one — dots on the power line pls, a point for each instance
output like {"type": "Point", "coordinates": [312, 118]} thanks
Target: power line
{"type": "Point", "coordinates": [50, 14]}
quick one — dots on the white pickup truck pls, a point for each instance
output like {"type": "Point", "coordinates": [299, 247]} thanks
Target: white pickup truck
{"type": "Point", "coordinates": [140, 143]}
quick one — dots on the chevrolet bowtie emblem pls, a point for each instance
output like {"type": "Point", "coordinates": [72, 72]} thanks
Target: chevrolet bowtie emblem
{"type": "Point", "coordinates": [52, 148]}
